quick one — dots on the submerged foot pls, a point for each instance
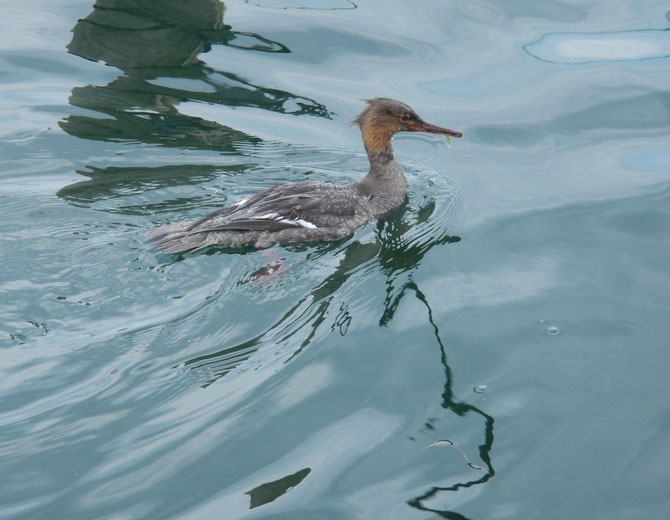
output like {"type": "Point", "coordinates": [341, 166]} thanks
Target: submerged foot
{"type": "Point", "coordinates": [274, 268]}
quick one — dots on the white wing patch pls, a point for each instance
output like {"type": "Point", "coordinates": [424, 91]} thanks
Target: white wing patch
{"type": "Point", "coordinates": [298, 222]}
{"type": "Point", "coordinates": [240, 202]}
{"type": "Point", "coordinates": [305, 224]}
{"type": "Point", "coordinates": [294, 222]}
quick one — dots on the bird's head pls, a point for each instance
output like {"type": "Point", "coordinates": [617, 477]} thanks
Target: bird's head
{"type": "Point", "coordinates": [383, 117]}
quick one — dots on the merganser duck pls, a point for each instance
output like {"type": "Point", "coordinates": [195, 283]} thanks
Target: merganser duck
{"type": "Point", "coordinates": [311, 211]}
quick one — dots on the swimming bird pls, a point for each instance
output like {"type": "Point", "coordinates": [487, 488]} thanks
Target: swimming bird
{"type": "Point", "coordinates": [311, 211]}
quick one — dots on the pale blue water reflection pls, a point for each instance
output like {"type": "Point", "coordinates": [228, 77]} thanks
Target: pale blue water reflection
{"type": "Point", "coordinates": [615, 46]}
{"type": "Point", "coordinates": [139, 385]}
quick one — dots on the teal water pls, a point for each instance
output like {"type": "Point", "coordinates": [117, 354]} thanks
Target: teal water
{"type": "Point", "coordinates": [496, 348]}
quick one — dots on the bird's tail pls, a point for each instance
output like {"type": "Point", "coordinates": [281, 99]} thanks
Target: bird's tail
{"type": "Point", "coordinates": [175, 238]}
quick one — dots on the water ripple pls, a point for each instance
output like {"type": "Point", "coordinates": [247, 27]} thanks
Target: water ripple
{"type": "Point", "coordinates": [610, 46]}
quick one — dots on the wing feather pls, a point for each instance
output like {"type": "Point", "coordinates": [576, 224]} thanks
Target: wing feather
{"type": "Point", "coordinates": [302, 204]}
{"type": "Point", "coordinates": [250, 224]}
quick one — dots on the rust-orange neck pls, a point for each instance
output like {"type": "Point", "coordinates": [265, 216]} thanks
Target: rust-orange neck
{"type": "Point", "coordinates": [375, 138]}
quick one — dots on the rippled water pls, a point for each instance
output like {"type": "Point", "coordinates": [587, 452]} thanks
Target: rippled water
{"type": "Point", "coordinates": [496, 348]}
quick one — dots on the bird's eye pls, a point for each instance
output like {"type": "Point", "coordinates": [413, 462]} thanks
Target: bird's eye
{"type": "Point", "coordinates": [404, 117]}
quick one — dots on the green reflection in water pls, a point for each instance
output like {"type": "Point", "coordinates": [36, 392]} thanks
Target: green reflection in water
{"type": "Point", "coordinates": [156, 45]}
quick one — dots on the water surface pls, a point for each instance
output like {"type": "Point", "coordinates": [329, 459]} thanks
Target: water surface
{"type": "Point", "coordinates": [496, 348]}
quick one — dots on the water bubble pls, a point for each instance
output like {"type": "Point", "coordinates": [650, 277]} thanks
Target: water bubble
{"type": "Point", "coordinates": [552, 331]}
{"type": "Point", "coordinates": [480, 389]}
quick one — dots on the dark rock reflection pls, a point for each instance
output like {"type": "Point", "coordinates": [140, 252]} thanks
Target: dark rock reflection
{"type": "Point", "coordinates": [270, 491]}
{"type": "Point", "coordinates": [116, 181]}
{"type": "Point", "coordinates": [156, 45]}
